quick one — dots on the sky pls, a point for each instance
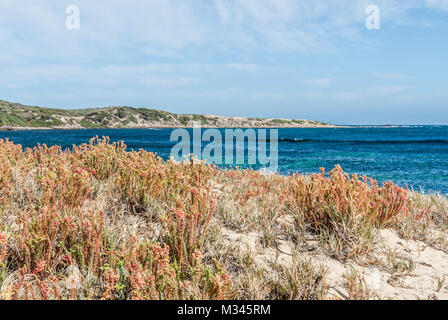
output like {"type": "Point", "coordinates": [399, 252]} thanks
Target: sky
{"type": "Point", "coordinates": [302, 59]}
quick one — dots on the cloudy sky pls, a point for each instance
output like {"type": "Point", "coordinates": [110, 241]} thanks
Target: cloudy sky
{"type": "Point", "coordinates": [311, 59]}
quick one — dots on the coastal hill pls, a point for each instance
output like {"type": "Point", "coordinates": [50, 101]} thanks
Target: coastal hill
{"type": "Point", "coordinates": [18, 116]}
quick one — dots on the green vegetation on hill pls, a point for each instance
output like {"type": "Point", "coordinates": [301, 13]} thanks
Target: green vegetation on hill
{"type": "Point", "coordinates": [13, 115]}
{"type": "Point", "coordinates": [18, 115]}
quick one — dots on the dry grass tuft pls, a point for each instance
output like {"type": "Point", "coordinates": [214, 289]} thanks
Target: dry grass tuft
{"type": "Point", "coordinates": [99, 222]}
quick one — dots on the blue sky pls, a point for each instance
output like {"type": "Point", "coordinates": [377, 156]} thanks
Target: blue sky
{"type": "Point", "coordinates": [310, 59]}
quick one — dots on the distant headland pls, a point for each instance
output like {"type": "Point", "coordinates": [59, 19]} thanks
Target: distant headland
{"type": "Point", "coordinates": [16, 116]}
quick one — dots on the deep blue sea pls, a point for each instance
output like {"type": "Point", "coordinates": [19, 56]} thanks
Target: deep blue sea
{"type": "Point", "coordinates": [417, 156]}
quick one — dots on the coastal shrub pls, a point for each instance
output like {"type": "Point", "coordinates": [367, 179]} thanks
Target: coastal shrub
{"type": "Point", "coordinates": [101, 222]}
{"type": "Point", "coordinates": [320, 199]}
{"type": "Point", "coordinates": [344, 209]}
{"type": "Point", "coordinates": [54, 244]}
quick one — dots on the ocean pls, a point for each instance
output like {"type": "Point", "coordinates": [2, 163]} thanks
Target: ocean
{"type": "Point", "coordinates": [416, 156]}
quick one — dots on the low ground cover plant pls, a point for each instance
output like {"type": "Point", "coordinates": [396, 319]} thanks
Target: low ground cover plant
{"type": "Point", "coordinates": [101, 222]}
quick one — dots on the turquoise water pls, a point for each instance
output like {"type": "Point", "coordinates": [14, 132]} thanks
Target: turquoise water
{"type": "Point", "coordinates": [417, 156]}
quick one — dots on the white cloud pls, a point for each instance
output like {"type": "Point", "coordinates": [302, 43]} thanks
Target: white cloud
{"type": "Point", "coordinates": [389, 76]}
{"type": "Point", "coordinates": [134, 44]}
{"type": "Point", "coordinates": [437, 4]}
{"type": "Point", "coordinates": [319, 82]}
{"type": "Point", "coordinates": [165, 28]}
{"type": "Point", "coordinates": [223, 11]}
{"type": "Point", "coordinates": [385, 90]}
{"type": "Point", "coordinates": [162, 53]}
{"type": "Point", "coordinates": [216, 94]}
{"type": "Point", "coordinates": [368, 93]}
{"type": "Point", "coordinates": [167, 81]}
{"type": "Point", "coordinates": [244, 66]}
{"type": "Point", "coordinates": [268, 95]}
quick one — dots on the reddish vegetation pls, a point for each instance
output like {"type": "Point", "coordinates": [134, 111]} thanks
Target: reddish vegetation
{"type": "Point", "coordinates": [50, 220]}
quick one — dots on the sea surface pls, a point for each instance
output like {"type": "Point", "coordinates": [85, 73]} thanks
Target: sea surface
{"type": "Point", "coordinates": [415, 155]}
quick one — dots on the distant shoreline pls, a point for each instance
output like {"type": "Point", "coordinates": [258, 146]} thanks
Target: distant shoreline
{"type": "Point", "coordinates": [18, 117]}
{"type": "Point", "coordinates": [165, 127]}
{"type": "Point", "coordinates": [215, 127]}
{"type": "Point", "coordinates": [15, 116]}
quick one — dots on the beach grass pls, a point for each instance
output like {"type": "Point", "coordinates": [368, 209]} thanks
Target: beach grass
{"type": "Point", "coordinates": [100, 222]}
